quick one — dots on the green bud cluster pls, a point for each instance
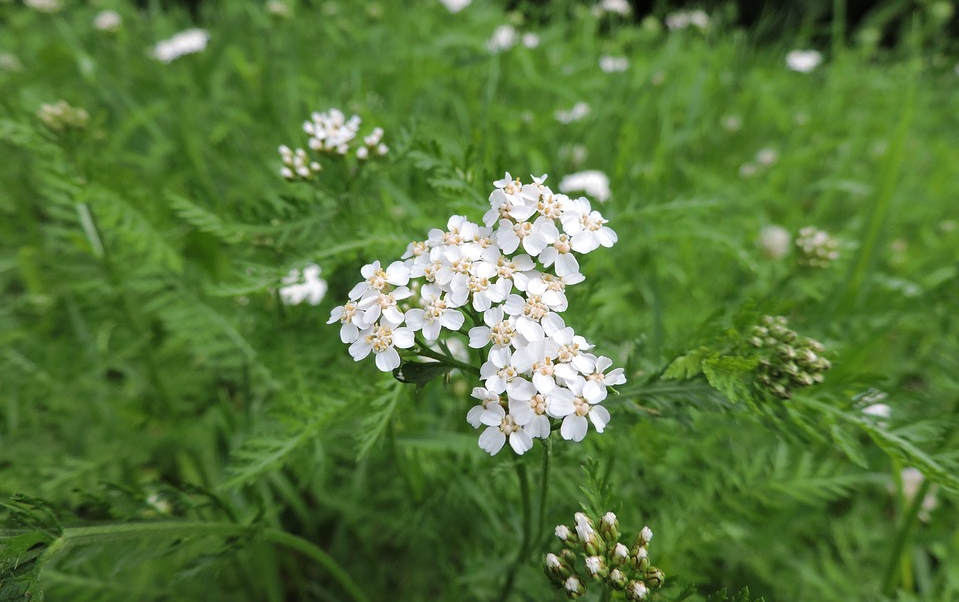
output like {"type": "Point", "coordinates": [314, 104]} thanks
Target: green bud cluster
{"type": "Point", "coordinates": [816, 249]}
{"type": "Point", "coordinates": [787, 360]}
{"type": "Point", "coordinates": [595, 554]}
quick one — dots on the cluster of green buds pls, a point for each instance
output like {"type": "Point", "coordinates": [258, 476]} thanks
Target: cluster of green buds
{"type": "Point", "coordinates": [61, 116]}
{"type": "Point", "coordinates": [787, 360]}
{"type": "Point", "coordinates": [816, 249]}
{"type": "Point", "coordinates": [594, 554]}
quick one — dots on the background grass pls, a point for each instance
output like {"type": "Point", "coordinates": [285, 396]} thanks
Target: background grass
{"type": "Point", "coordinates": [148, 370]}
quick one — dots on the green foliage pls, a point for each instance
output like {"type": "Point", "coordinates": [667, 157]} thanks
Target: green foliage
{"type": "Point", "coordinates": [171, 429]}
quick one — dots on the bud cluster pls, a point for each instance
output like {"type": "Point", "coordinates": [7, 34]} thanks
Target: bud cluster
{"type": "Point", "coordinates": [330, 133]}
{"type": "Point", "coordinates": [816, 248]}
{"type": "Point", "coordinates": [605, 560]}
{"type": "Point", "coordinates": [787, 361]}
{"type": "Point", "coordinates": [61, 116]}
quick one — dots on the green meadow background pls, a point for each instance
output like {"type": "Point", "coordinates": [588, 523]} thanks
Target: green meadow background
{"type": "Point", "coordinates": [170, 430]}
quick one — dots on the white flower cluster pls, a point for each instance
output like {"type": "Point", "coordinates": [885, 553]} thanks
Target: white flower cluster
{"type": "Point", "coordinates": [44, 6]}
{"type": "Point", "coordinates": [330, 133]}
{"type": "Point", "coordinates": [537, 369]}
{"type": "Point", "coordinates": [618, 7]}
{"type": "Point", "coordinates": [61, 116]}
{"type": "Point", "coordinates": [186, 42]}
{"type": "Point", "coordinates": [803, 61]}
{"type": "Point", "coordinates": [303, 286]}
{"type": "Point", "coordinates": [592, 181]}
{"type": "Point", "coordinates": [817, 249]}
{"type": "Point", "coordinates": [684, 19]}
{"type": "Point", "coordinates": [109, 21]}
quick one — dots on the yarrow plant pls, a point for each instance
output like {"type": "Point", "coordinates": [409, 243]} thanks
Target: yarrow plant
{"type": "Point", "coordinates": [594, 554]}
{"type": "Point", "coordinates": [509, 277]}
{"type": "Point", "coordinates": [787, 360]}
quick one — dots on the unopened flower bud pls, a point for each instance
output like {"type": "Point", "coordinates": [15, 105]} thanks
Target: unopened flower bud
{"type": "Point", "coordinates": [636, 590]}
{"type": "Point", "coordinates": [609, 527]}
{"type": "Point", "coordinates": [556, 569]}
{"type": "Point", "coordinates": [617, 579]}
{"type": "Point", "coordinates": [654, 577]}
{"type": "Point", "coordinates": [620, 554]}
{"type": "Point", "coordinates": [646, 536]}
{"type": "Point", "coordinates": [640, 558]}
{"type": "Point", "coordinates": [596, 566]}
{"type": "Point", "coordinates": [574, 588]}
{"type": "Point", "coordinates": [566, 535]}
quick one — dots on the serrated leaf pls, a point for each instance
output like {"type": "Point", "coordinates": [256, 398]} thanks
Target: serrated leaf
{"type": "Point", "coordinates": [730, 375]}
{"type": "Point", "coordinates": [686, 366]}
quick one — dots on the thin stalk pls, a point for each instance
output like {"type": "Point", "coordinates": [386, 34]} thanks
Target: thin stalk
{"type": "Point", "coordinates": [446, 359]}
{"type": "Point", "coordinates": [527, 528]}
{"type": "Point", "coordinates": [910, 518]}
{"type": "Point", "coordinates": [106, 533]}
{"type": "Point", "coordinates": [544, 485]}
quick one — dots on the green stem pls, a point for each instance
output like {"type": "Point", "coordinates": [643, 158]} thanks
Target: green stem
{"type": "Point", "coordinates": [903, 537]}
{"type": "Point", "coordinates": [446, 359]}
{"type": "Point", "coordinates": [527, 528]}
{"type": "Point", "coordinates": [544, 485]}
{"type": "Point", "coordinates": [178, 529]}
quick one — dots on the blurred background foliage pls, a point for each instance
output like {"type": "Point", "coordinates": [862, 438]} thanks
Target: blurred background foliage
{"type": "Point", "coordinates": [149, 373]}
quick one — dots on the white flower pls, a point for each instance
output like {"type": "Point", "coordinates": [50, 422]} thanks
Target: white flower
{"type": "Point", "coordinates": [504, 37]}
{"type": "Point", "coordinates": [775, 241]}
{"type": "Point", "coordinates": [562, 532]}
{"type": "Point", "coordinates": [186, 42]}
{"type": "Point", "coordinates": [552, 561]}
{"type": "Point", "coordinates": [498, 330]}
{"type": "Point", "coordinates": [584, 527]}
{"type": "Point", "coordinates": [385, 305]}
{"type": "Point", "coordinates": [530, 40]}
{"type": "Point", "coordinates": [803, 61]}
{"type": "Point", "coordinates": [596, 383]}
{"type": "Point", "coordinates": [575, 425]}
{"type": "Point", "coordinates": [593, 182]}
{"type": "Point", "coordinates": [437, 313]}
{"type": "Point", "coordinates": [108, 20]}
{"type": "Point", "coordinates": [381, 340]}
{"type": "Point", "coordinates": [646, 534]}
{"type": "Point", "coordinates": [9, 62]}
{"type": "Point", "coordinates": [351, 318]}
{"type": "Point", "coordinates": [501, 375]}
{"type": "Point", "coordinates": [533, 236]}
{"type": "Point", "coordinates": [309, 287]}
{"type": "Point", "coordinates": [297, 164]}
{"type": "Point", "coordinates": [487, 400]}
{"type": "Point", "coordinates": [637, 590]}
{"type": "Point", "coordinates": [455, 6]}
{"type": "Point", "coordinates": [577, 112]}
{"type": "Point", "coordinates": [587, 227]}
{"type": "Point", "coordinates": [44, 6]}
{"type": "Point", "coordinates": [572, 585]}
{"type": "Point", "coordinates": [684, 19]}
{"type": "Point", "coordinates": [767, 156]}
{"type": "Point", "coordinates": [331, 131]}
{"type": "Point", "coordinates": [619, 7]}
{"type": "Point", "coordinates": [377, 279]}
{"type": "Point", "coordinates": [731, 123]}
{"type": "Point", "coordinates": [278, 8]}
{"type": "Point", "coordinates": [612, 64]}
{"type": "Point", "coordinates": [503, 427]}
{"type": "Point", "coordinates": [609, 519]}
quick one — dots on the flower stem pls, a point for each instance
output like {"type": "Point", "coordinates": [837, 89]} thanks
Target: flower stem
{"type": "Point", "coordinates": [446, 359]}
{"type": "Point", "coordinates": [544, 485]}
{"type": "Point", "coordinates": [182, 529]}
{"type": "Point", "coordinates": [527, 528]}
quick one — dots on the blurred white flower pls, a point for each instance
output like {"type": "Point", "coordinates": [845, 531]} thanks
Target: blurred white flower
{"type": "Point", "coordinates": [683, 19]}
{"type": "Point", "coordinates": [748, 170]}
{"type": "Point", "coordinates": [619, 7]}
{"type": "Point", "coordinates": [61, 116]}
{"type": "Point", "coordinates": [530, 40]}
{"type": "Point", "coordinates": [803, 61]}
{"type": "Point", "coordinates": [593, 182]}
{"type": "Point", "coordinates": [613, 64]}
{"type": "Point", "coordinates": [577, 112]}
{"type": "Point", "coordinates": [308, 287]}
{"type": "Point", "coordinates": [9, 62]}
{"type": "Point", "coordinates": [108, 20]}
{"type": "Point", "coordinates": [504, 37]}
{"type": "Point", "coordinates": [278, 8]}
{"type": "Point", "coordinates": [767, 156]}
{"type": "Point", "coordinates": [573, 153]}
{"type": "Point", "coordinates": [186, 42]}
{"type": "Point", "coordinates": [775, 241]}
{"type": "Point", "coordinates": [44, 6]}
{"type": "Point", "coordinates": [879, 410]}
{"type": "Point", "coordinates": [912, 479]}
{"type": "Point", "coordinates": [455, 6]}
{"type": "Point", "coordinates": [731, 123]}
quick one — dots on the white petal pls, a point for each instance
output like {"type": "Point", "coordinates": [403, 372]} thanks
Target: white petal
{"type": "Point", "coordinates": [360, 349]}
{"type": "Point", "coordinates": [415, 318]}
{"type": "Point", "coordinates": [492, 440]}
{"type": "Point", "coordinates": [403, 338]}
{"type": "Point", "coordinates": [473, 416]}
{"type": "Point", "coordinates": [566, 264]}
{"type": "Point", "coordinates": [574, 428]}
{"type": "Point", "coordinates": [520, 441]}
{"type": "Point", "coordinates": [388, 360]}
{"type": "Point", "coordinates": [431, 330]}
{"type": "Point", "coordinates": [452, 319]}
{"type": "Point", "coordinates": [530, 329]}
{"type": "Point", "coordinates": [349, 333]}
{"type": "Point", "coordinates": [479, 337]}
{"type": "Point", "coordinates": [521, 389]}
{"type": "Point", "coordinates": [599, 416]}
{"type": "Point", "coordinates": [559, 403]}
{"type": "Point", "coordinates": [594, 392]}
{"type": "Point", "coordinates": [521, 411]}
{"type": "Point", "coordinates": [493, 415]}
{"type": "Point", "coordinates": [544, 384]}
